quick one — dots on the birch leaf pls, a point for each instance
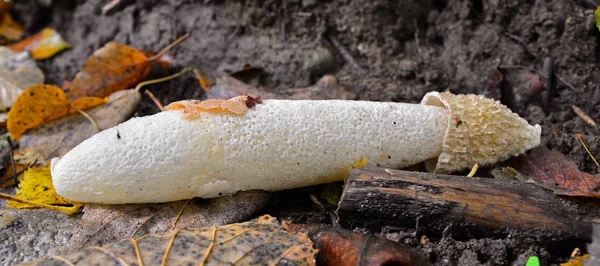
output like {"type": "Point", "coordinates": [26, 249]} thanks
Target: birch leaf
{"type": "Point", "coordinates": [37, 186]}
{"type": "Point", "coordinates": [103, 224]}
{"type": "Point", "coordinates": [262, 241]}
{"type": "Point", "coordinates": [42, 45]}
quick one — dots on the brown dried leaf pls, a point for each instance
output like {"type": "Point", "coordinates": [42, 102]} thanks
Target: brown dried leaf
{"type": "Point", "coordinates": [54, 138]}
{"type": "Point", "coordinates": [338, 246]}
{"type": "Point", "coordinates": [102, 224]}
{"type": "Point", "coordinates": [262, 241]}
{"type": "Point", "coordinates": [552, 170]}
{"type": "Point", "coordinates": [111, 68]}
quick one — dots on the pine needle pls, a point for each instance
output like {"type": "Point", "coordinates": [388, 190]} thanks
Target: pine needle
{"type": "Point", "coordinates": [587, 150]}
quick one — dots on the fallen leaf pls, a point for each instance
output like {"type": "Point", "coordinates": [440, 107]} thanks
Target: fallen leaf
{"type": "Point", "coordinates": [9, 29]}
{"type": "Point", "coordinates": [17, 72]}
{"type": "Point", "coordinates": [111, 68]}
{"type": "Point", "coordinates": [56, 137]}
{"type": "Point", "coordinates": [338, 246]}
{"type": "Point", "coordinates": [577, 261]}
{"type": "Point", "coordinates": [37, 186]}
{"type": "Point", "coordinates": [552, 170]}
{"type": "Point", "coordinates": [41, 103]}
{"type": "Point", "coordinates": [42, 45]}
{"type": "Point", "coordinates": [102, 224]}
{"type": "Point", "coordinates": [262, 241]}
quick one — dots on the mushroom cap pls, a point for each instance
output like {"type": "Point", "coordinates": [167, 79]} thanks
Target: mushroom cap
{"type": "Point", "coordinates": [480, 130]}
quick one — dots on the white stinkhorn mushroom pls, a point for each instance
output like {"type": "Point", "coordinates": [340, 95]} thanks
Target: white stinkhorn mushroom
{"type": "Point", "coordinates": [218, 147]}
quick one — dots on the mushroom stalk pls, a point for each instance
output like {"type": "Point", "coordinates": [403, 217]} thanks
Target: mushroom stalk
{"type": "Point", "coordinates": [218, 147]}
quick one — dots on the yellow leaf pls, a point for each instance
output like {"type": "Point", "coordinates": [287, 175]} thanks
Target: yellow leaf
{"type": "Point", "coordinates": [576, 261]}
{"type": "Point", "coordinates": [36, 186]}
{"type": "Point", "coordinates": [87, 102]}
{"type": "Point", "coordinates": [42, 45]}
{"type": "Point", "coordinates": [41, 103]}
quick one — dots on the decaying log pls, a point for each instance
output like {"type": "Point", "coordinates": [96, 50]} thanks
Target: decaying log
{"type": "Point", "coordinates": [375, 197]}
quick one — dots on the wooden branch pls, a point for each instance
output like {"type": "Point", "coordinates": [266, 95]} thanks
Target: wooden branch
{"type": "Point", "coordinates": [375, 197]}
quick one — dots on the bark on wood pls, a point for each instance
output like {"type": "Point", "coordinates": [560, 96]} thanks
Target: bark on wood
{"type": "Point", "coordinates": [375, 197]}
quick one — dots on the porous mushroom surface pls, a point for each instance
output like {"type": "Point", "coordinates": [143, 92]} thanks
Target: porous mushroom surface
{"type": "Point", "coordinates": [480, 130]}
{"type": "Point", "coordinates": [276, 145]}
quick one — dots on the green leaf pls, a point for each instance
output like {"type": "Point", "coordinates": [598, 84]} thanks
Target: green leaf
{"type": "Point", "coordinates": [533, 260]}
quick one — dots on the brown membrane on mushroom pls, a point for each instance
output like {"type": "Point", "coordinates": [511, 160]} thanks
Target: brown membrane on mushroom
{"type": "Point", "coordinates": [234, 106]}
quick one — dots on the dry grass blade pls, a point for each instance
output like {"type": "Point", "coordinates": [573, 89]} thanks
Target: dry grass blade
{"type": "Point", "coordinates": [587, 150]}
{"type": "Point", "coordinates": [473, 170]}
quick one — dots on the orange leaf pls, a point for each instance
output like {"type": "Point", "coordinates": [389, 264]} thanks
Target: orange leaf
{"type": "Point", "coordinates": [36, 105]}
{"type": "Point", "coordinates": [87, 102]}
{"type": "Point", "coordinates": [9, 29]}
{"type": "Point", "coordinates": [111, 68]}
{"type": "Point", "coordinates": [41, 103]}
{"type": "Point", "coordinates": [44, 44]}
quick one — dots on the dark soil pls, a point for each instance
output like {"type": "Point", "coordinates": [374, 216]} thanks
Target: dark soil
{"type": "Point", "coordinates": [383, 50]}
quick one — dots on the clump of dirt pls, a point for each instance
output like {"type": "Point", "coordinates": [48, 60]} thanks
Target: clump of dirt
{"type": "Point", "coordinates": [381, 50]}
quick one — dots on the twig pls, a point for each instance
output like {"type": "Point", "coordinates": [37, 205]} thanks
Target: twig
{"type": "Point", "coordinates": [586, 118]}
{"type": "Point", "coordinates": [166, 49]}
{"type": "Point", "coordinates": [20, 172]}
{"type": "Point", "coordinates": [12, 159]}
{"type": "Point", "coordinates": [587, 150]}
{"type": "Point", "coordinates": [88, 117]}
{"type": "Point", "coordinates": [345, 54]}
{"type": "Point", "coordinates": [148, 82]}
{"type": "Point", "coordinates": [151, 95]}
